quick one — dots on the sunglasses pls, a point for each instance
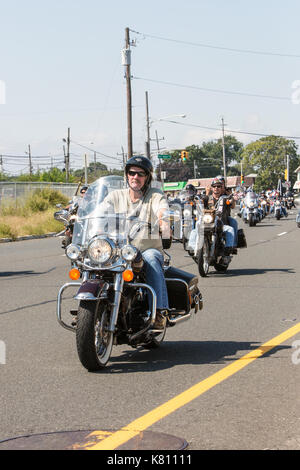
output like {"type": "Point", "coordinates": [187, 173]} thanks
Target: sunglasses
{"type": "Point", "coordinates": [217, 186]}
{"type": "Point", "coordinates": [141, 174]}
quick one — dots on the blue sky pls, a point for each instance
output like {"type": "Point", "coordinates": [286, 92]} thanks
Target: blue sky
{"type": "Point", "coordinates": [61, 65]}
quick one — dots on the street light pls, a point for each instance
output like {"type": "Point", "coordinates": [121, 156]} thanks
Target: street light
{"type": "Point", "coordinates": [172, 116]}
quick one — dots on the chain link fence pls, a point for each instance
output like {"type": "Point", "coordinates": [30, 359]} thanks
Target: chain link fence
{"type": "Point", "coordinates": [17, 192]}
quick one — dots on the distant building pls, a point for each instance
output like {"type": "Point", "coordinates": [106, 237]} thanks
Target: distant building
{"type": "Point", "coordinates": [175, 187]}
{"type": "Point", "coordinates": [232, 181]}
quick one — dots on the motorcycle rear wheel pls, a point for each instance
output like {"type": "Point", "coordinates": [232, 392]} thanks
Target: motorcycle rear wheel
{"type": "Point", "coordinates": [94, 341]}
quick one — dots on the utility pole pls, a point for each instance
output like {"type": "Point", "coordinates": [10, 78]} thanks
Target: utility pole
{"type": "Point", "coordinates": [158, 149]}
{"type": "Point", "coordinates": [288, 168]}
{"type": "Point", "coordinates": [30, 164]}
{"type": "Point", "coordinates": [95, 163]}
{"type": "Point", "coordinates": [1, 164]}
{"type": "Point", "coordinates": [148, 153]}
{"type": "Point", "coordinates": [223, 147]}
{"type": "Point", "coordinates": [68, 157]}
{"type": "Point", "coordinates": [127, 63]}
{"type": "Point", "coordinates": [85, 170]}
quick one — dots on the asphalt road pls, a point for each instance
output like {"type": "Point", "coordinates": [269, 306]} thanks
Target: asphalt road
{"type": "Point", "coordinates": [44, 388]}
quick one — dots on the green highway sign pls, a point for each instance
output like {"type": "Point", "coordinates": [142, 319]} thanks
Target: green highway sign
{"type": "Point", "coordinates": [164, 157]}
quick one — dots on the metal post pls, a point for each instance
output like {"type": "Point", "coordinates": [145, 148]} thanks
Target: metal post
{"type": "Point", "coordinates": [129, 105]}
{"type": "Point", "coordinates": [223, 147]}
{"type": "Point", "coordinates": [148, 154]}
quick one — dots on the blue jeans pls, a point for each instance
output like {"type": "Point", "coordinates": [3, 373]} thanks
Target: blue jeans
{"type": "Point", "coordinates": [155, 277]}
{"type": "Point", "coordinates": [229, 236]}
{"type": "Point", "coordinates": [233, 223]}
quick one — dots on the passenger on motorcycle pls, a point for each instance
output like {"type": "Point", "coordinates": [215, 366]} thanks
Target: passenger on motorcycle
{"type": "Point", "coordinates": [230, 227]}
{"type": "Point", "coordinates": [148, 204]}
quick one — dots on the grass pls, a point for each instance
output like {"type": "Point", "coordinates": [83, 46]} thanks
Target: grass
{"type": "Point", "coordinates": [35, 217]}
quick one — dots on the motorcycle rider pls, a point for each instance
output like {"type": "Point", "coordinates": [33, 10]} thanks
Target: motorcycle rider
{"type": "Point", "coordinates": [230, 227]}
{"type": "Point", "coordinates": [149, 204]}
{"type": "Point", "coordinates": [191, 192]}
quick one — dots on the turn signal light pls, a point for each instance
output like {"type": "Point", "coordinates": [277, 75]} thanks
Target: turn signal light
{"type": "Point", "coordinates": [127, 275]}
{"type": "Point", "coordinates": [228, 203]}
{"type": "Point", "coordinates": [74, 274]}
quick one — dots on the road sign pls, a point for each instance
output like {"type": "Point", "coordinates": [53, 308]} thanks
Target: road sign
{"type": "Point", "coordinates": [164, 157]}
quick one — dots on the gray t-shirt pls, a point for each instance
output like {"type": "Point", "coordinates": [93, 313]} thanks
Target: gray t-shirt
{"type": "Point", "coordinates": [146, 210]}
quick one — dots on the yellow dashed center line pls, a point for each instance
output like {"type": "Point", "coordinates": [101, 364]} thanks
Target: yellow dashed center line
{"type": "Point", "coordinates": [139, 425]}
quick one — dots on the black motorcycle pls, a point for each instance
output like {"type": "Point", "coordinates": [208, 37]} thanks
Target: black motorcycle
{"type": "Point", "coordinates": [210, 247]}
{"type": "Point", "coordinates": [115, 304]}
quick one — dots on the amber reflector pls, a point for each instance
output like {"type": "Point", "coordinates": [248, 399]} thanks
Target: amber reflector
{"type": "Point", "coordinates": [127, 275]}
{"type": "Point", "coordinates": [74, 274]}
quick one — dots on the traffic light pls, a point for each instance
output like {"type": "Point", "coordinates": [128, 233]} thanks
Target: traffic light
{"type": "Point", "coordinates": [184, 155]}
{"type": "Point", "coordinates": [242, 179]}
{"type": "Point", "coordinates": [286, 174]}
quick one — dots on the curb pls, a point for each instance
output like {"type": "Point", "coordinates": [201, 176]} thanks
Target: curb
{"type": "Point", "coordinates": [27, 237]}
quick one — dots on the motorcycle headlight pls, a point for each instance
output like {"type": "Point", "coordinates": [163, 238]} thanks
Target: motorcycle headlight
{"type": "Point", "coordinates": [129, 252]}
{"type": "Point", "coordinates": [100, 250]}
{"type": "Point", "coordinates": [72, 252]}
{"type": "Point", "coordinates": [187, 213]}
{"type": "Point", "coordinates": [208, 219]}
{"type": "Point", "coordinates": [251, 204]}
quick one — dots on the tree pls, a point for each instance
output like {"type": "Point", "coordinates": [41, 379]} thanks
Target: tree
{"type": "Point", "coordinates": [268, 158]}
{"type": "Point", "coordinates": [205, 161]}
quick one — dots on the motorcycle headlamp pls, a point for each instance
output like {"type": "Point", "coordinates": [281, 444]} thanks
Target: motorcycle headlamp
{"type": "Point", "coordinates": [129, 252]}
{"type": "Point", "coordinates": [208, 219]}
{"type": "Point", "coordinates": [72, 252]}
{"type": "Point", "coordinates": [187, 213]}
{"type": "Point", "coordinates": [100, 250]}
{"type": "Point", "coordinates": [251, 204]}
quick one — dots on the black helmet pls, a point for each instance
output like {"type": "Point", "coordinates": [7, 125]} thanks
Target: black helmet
{"type": "Point", "coordinates": [190, 188]}
{"type": "Point", "coordinates": [83, 189]}
{"type": "Point", "coordinates": [141, 162]}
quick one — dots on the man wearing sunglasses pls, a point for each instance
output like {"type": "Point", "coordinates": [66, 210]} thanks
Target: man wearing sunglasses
{"type": "Point", "coordinates": [230, 227]}
{"type": "Point", "coordinates": [147, 204]}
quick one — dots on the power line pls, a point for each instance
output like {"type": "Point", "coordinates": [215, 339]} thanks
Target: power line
{"type": "Point", "coordinates": [214, 90]}
{"type": "Point", "coordinates": [222, 48]}
{"type": "Point", "coordinates": [231, 131]}
{"type": "Point", "coordinates": [95, 151]}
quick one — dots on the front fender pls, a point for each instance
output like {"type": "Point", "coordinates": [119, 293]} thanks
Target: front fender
{"type": "Point", "coordinates": [91, 290]}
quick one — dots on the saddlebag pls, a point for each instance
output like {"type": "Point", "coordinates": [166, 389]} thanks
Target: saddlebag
{"type": "Point", "coordinates": [241, 239]}
{"type": "Point", "coordinates": [182, 289]}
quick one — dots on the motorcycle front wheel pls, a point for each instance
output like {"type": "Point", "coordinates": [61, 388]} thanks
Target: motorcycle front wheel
{"type": "Point", "coordinates": [94, 341]}
{"type": "Point", "coordinates": [203, 260]}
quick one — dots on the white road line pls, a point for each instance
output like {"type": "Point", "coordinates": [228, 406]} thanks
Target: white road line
{"type": "Point", "coordinates": [279, 234]}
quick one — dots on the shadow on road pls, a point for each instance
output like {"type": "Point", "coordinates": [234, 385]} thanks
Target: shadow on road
{"type": "Point", "coordinates": [171, 354]}
{"type": "Point", "coordinates": [24, 273]}
{"type": "Point", "coordinates": [250, 272]}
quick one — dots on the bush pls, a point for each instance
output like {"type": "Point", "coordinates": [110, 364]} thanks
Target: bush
{"type": "Point", "coordinates": [6, 231]}
{"type": "Point", "coordinates": [43, 199]}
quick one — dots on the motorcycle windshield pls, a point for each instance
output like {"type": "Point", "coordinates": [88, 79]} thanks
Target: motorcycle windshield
{"type": "Point", "coordinates": [96, 194]}
{"type": "Point", "coordinates": [103, 215]}
{"type": "Point", "coordinates": [250, 199]}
